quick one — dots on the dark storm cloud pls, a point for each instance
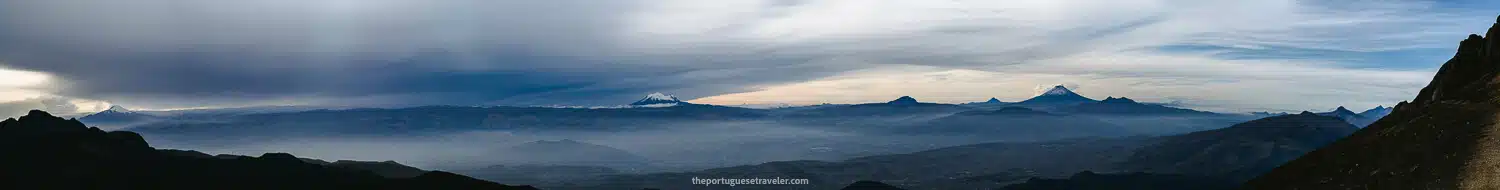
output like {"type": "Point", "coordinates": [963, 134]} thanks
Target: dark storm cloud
{"type": "Point", "coordinates": [179, 53]}
{"type": "Point", "coordinates": [189, 53]}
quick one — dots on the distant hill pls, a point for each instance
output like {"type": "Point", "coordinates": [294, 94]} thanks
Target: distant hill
{"type": "Point", "coordinates": [48, 152]}
{"type": "Point", "coordinates": [905, 105]}
{"type": "Point", "coordinates": [1126, 106]}
{"type": "Point", "coordinates": [1241, 151]}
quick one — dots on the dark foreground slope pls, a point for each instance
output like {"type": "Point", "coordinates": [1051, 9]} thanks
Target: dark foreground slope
{"type": "Point", "coordinates": [42, 151]}
{"type": "Point", "coordinates": [1443, 139]}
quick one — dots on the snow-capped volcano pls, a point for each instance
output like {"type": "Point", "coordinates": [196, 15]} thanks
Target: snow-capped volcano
{"type": "Point", "coordinates": [656, 99]}
{"type": "Point", "coordinates": [118, 108]}
{"type": "Point", "coordinates": [1058, 90]}
{"type": "Point", "coordinates": [1058, 95]}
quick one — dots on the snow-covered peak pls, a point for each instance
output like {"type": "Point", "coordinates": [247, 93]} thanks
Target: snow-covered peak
{"type": "Point", "coordinates": [660, 96]}
{"type": "Point", "coordinates": [657, 98]}
{"type": "Point", "coordinates": [1058, 90]}
{"type": "Point", "coordinates": [118, 108]}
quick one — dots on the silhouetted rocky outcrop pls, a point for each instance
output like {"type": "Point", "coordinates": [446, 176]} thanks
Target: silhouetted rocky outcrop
{"type": "Point", "coordinates": [1445, 138]}
{"type": "Point", "coordinates": [47, 152]}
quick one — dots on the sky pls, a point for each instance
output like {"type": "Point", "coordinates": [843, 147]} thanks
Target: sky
{"type": "Point", "coordinates": [1216, 55]}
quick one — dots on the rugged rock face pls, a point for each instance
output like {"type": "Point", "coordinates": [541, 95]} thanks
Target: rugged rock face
{"type": "Point", "coordinates": [47, 152]}
{"type": "Point", "coordinates": [1446, 138]}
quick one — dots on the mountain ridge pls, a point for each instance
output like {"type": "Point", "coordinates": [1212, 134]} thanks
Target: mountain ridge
{"type": "Point", "coordinates": [1444, 138]}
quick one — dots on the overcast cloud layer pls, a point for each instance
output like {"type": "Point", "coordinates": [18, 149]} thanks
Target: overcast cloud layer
{"type": "Point", "coordinates": [1227, 55]}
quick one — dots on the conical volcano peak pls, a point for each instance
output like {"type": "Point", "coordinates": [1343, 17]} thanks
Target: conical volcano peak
{"type": "Point", "coordinates": [904, 100]}
{"type": "Point", "coordinates": [1059, 90]}
{"type": "Point", "coordinates": [657, 98]}
{"type": "Point", "coordinates": [1058, 95]}
{"type": "Point", "coordinates": [118, 108]}
{"type": "Point", "coordinates": [993, 100]}
{"type": "Point", "coordinates": [1342, 109]}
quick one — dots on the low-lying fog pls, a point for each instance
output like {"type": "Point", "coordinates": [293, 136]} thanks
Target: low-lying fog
{"type": "Point", "coordinates": [676, 147]}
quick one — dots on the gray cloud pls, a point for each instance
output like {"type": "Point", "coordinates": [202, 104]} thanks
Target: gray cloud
{"type": "Point", "coordinates": [184, 53]}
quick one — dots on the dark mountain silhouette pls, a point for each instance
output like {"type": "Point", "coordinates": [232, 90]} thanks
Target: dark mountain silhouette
{"type": "Point", "coordinates": [990, 102]}
{"type": "Point", "coordinates": [47, 152]}
{"type": "Point", "coordinates": [1376, 113]}
{"type": "Point", "coordinates": [870, 185]}
{"type": "Point", "coordinates": [905, 105]}
{"type": "Point", "coordinates": [1241, 151]}
{"type": "Point", "coordinates": [1442, 139]}
{"type": "Point", "coordinates": [1017, 123]}
{"type": "Point", "coordinates": [1088, 180]}
{"type": "Point", "coordinates": [570, 152]}
{"type": "Point", "coordinates": [1057, 96]}
{"type": "Point", "coordinates": [1349, 116]}
{"type": "Point", "coordinates": [1268, 114]}
{"type": "Point", "coordinates": [903, 101]}
{"type": "Point", "coordinates": [1126, 106]}
{"type": "Point", "coordinates": [389, 169]}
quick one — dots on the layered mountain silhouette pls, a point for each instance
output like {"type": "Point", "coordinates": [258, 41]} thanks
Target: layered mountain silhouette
{"type": "Point", "coordinates": [905, 105]}
{"type": "Point", "coordinates": [1445, 138]}
{"type": "Point", "coordinates": [1126, 106]}
{"type": "Point", "coordinates": [991, 101]}
{"type": "Point", "coordinates": [47, 152]}
{"type": "Point", "coordinates": [1377, 112]}
{"type": "Point", "coordinates": [1242, 151]}
{"type": "Point", "coordinates": [1349, 116]}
